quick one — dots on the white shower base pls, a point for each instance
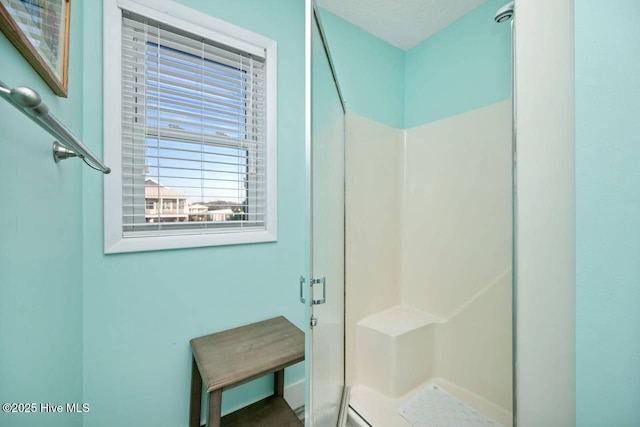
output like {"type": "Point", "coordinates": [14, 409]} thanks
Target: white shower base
{"type": "Point", "coordinates": [433, 406]}
{"type": "Point", "coordinates": [382, 411]}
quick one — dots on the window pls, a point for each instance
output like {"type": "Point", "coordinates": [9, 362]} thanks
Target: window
{"type": "Point", "coordinates": [194, 149]}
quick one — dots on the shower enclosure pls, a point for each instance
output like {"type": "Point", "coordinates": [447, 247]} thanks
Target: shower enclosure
{"type": "Point", "coordinates": [409, 282]}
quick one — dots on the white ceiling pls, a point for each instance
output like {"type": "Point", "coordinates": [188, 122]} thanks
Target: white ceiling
{"type": "Point", "coordinates": [403, 23]}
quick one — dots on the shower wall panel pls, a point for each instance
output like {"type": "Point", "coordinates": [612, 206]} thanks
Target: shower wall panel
{"type": "Point", "coordinates": [373, 212]}
{"type": "Point", "coordinates": [474, 346]}
{"type": "Point", "coordinates": [456, 215]}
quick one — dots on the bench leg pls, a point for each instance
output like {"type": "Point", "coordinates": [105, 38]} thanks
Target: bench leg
{"type": "Point", "coordinates": [278, 383]}
{"type": "Point", "coordinates": [215, 407]}
{"type": "Point", "coordinates": [196, 396]}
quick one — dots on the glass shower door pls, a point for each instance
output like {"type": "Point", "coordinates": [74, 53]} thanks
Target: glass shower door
{"type": "Point", "coordinates": [324, 284]}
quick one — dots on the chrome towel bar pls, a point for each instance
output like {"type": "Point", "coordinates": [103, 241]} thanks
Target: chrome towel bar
{"type": "Point", "coordinates": [29, 102]}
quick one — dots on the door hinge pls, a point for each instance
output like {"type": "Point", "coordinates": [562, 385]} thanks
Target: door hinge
{"type": "Point", "coordinates": [318, 281]}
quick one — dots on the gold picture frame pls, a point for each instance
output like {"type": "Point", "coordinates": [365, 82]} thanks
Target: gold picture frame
{"type": "Point", "coordinates": [39, 29]}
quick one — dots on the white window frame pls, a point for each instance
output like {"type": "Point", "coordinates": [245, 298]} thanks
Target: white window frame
{"type": "Point", "coordinates": [179, 16]}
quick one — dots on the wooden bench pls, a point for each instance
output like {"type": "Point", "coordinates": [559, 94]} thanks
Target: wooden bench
{"type": "Point", "coordinates": [227, 359]}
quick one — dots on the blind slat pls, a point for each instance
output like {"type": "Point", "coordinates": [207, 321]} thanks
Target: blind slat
{"type": "Point", "coordinates": [241, 160]}
{"type": "Point", "coordinates": [195, 119]}
{"type": "Point", "coordinates": [137, 53]}
{"type": "Point", "coordinates": [129, 103]}
{"type": "Point", "coordinates": [138, 91]}
{"type": "Point", "coordinates": [169, 61]}
{"type": "Point", "coordinates": [181, 79]}
{"type": "Point", "coordinates": [187, 150]}
{"type": "Point", "coordinates": [204, 180]}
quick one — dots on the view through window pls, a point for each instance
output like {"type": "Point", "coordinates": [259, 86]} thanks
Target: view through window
{"type": "Point", "coordinates": [193, 133]}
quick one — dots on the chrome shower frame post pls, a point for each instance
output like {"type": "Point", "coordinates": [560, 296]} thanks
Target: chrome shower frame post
{"type": "Point", "coordinates": [514, 230]}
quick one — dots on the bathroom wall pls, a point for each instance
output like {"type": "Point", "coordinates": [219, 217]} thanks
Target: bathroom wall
{"type": "Point", "coordinates": [474, 347]}
{"type": "Point", "coordinates": [373, 154]}
{"type": "Point", "coordinates": [456, 245]}
{"type": "Point", "coordinates": [456, 216]}
{"type": "Point", "coordinates": [40, 248]}
{"type": "Point", "coordinates": [608, 213]}
{"type": "Point", "coordinates": [141, 309]}
{"type": "Point", "coordinates": [465, 66]}
{"type": "Point", "coordinates": [468, 66]}
{"type": "Point", "coordinates": [370, 71]}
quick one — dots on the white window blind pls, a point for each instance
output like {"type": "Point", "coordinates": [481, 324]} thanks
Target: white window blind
{"type": "Point", "coordinates": [193, 133]}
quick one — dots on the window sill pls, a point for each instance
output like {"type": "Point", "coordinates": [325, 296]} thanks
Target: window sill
{"type": "Point", "coordinates": [160, 243]}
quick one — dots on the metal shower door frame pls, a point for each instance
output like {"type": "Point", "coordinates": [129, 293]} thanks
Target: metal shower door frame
{"type": "Point", "coordinates": [312, 18]}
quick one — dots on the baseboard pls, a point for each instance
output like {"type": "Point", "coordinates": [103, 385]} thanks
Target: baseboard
{"type": "Point", "coordinates": [294, 394]}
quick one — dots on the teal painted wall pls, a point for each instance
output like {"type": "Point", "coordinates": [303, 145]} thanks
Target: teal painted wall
{"type": "Point", "coordinates": [370, 71]}
{"type": "Point", "coordinates": [465, 66]}
{"type": "Point", "coordinates": [40, 248]}
{"type": "Point", "coordinates": [608, 213]}
{"type": "Point", "coordinates": [141, 309]}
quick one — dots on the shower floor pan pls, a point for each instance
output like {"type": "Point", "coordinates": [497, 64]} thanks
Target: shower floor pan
{"type": "Point", "coordinates": [425, 407]}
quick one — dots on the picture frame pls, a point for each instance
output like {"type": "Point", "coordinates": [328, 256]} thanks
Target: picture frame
{"type": "Point", "coordinates": [39, 29]}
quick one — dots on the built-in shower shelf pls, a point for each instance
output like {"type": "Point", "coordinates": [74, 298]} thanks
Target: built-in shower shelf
{"type": "Point", "coordinates": [398, 320]}
{"type": "Point", "coordinates": [394, 349]}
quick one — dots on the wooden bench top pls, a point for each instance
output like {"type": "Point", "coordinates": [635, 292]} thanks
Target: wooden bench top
{"type": "Point", "coordinates": [229, 358]}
